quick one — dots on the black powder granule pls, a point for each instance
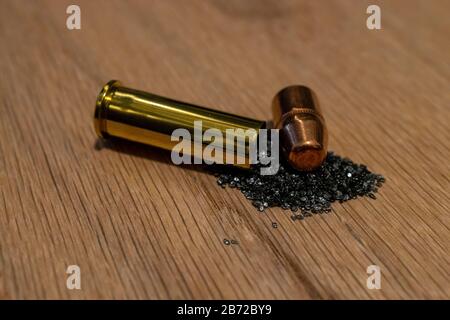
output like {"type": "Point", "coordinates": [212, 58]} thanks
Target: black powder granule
{"type": "Point", "coordinates": [304, 193]}
{"type": "Point", "coordinates": [230, 242]}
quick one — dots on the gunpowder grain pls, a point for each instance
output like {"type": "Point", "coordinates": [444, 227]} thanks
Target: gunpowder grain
{"type": "Point", "coordinates": [304, 193]}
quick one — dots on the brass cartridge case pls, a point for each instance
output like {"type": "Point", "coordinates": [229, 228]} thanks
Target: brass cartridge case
{"type": "Point", "coordinates": [151, 119]}
{"type": "Point", "coordinates": [303, 132]}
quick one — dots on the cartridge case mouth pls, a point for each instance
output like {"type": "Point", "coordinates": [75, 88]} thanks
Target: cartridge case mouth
{"type": "Point", "coordinates": [101, 107]}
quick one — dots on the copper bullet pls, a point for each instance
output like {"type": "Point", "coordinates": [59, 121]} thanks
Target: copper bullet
{"type": "Point", "coordinates": [303, 133]}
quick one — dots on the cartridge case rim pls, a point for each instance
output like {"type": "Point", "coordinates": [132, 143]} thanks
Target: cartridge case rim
{"type": "Point", "coordinates": [101, 107]}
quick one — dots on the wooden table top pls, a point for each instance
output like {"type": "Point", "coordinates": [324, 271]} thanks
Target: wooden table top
{"type": "Point", "coordinates": [140, 227]}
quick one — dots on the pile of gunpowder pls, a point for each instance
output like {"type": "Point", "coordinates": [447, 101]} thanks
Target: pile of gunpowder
{"type": "Point", "coordinates": [305, 193]}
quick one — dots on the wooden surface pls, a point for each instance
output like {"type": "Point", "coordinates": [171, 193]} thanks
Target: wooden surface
{"type": "Point", "coordinates": [140, 227]}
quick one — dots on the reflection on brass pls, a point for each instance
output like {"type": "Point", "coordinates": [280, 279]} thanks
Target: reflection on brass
{"type": "Point", "coordinates": [303, 134]}
{"type": "Point", "coordinates": [147, 118]}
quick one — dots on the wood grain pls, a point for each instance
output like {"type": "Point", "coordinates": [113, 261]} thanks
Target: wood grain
{"type": "Point", "coordinates": [140, 227]}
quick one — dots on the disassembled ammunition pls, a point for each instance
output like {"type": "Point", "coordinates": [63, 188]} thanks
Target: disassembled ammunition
{"type": "Point", "coordinates": [147, 118]}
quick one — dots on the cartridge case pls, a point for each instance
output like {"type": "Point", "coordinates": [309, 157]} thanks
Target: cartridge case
{"type": "Point", "coordinates": [303, 132]}
{"type": "Point", "coordinates": [151, 119]}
